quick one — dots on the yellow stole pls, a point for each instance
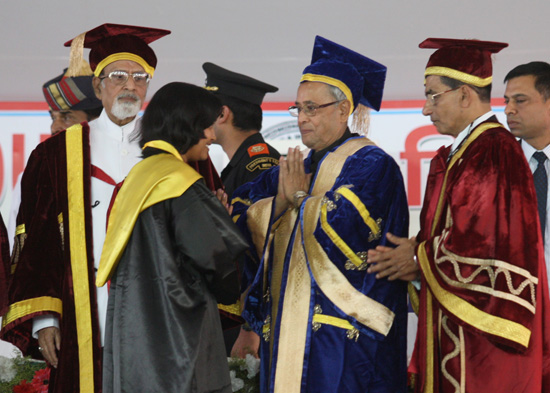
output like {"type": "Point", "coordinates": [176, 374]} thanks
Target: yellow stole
{"type": "Point", "coordinates": [456, 305]}
{"type": "Point", "coordinates": [151, 181]}
{"type": "Point", "coordinates": [296, 304]}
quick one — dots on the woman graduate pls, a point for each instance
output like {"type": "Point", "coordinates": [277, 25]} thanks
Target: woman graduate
{"type": "Point", "coordinates": [169, 253]}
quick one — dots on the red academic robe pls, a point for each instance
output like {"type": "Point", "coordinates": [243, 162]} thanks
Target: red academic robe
{"type": "Point", "coordinates": [484, 308]}
{"type": "Point", "coordinates": [4, 265]}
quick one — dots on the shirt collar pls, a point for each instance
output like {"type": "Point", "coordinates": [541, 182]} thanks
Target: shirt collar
{"type": "Point", "coordinates": [120, 133]}
{"type": "Point", "coordinates": [529, 150]}
{"type": "Point", "coordinates": [466, 131]}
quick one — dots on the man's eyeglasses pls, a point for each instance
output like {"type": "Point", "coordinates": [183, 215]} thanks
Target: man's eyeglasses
{"type": "Point", "coordinates": [308, 109]}
{"type": "Point", "coordinates": [433, 97]}
{"type": "Point", "coordinates": [121, 77]}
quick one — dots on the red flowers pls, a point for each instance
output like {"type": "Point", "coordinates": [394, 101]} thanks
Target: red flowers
{"type": "Point", "coordinates": [39, 383]}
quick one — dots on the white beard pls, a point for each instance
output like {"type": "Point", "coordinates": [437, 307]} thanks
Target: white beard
{"type": "Point", "coordinates": [126, 109]}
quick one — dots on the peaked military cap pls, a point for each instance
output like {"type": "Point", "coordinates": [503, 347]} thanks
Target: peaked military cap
{"type": "Point", "coordinates": [223, 81]}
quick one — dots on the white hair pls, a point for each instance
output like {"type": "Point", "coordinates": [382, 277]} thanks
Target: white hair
{"type": "Point", "coordinates": [126, 109]}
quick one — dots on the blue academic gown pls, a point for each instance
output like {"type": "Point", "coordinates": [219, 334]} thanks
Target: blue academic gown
{"type": "Point", "coordinates": [326, 324]}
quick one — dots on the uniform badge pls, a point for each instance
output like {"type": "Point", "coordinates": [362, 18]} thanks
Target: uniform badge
{"type": "Point", "coordinates": [262, 163]}
{"type": "Point", "coordinates": [258, 148]}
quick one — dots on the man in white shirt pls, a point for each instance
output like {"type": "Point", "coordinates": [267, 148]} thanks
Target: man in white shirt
{"type": "Point", "coordinates": [54, 307]}
{"type": "Point", "coordinates": [527, 99]}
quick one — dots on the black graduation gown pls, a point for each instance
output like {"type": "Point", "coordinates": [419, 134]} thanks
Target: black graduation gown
{"type": "Point", "coordinates": [163, 329]}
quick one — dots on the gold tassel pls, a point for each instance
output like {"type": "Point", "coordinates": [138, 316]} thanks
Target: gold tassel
{"type": "Point", "coordinates": [361, 120]}
{"type": "Point", "coordinates": [77, 65]}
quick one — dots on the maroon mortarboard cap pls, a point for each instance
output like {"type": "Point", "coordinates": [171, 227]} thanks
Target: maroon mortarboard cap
{"type": "Point", "coordinates": [468, 61]}
{"type": "Point", "coordinates": [111, 42]}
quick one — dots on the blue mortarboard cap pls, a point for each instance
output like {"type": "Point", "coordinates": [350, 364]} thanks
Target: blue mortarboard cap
{"type": "Point", "coordinates": [360, 78]}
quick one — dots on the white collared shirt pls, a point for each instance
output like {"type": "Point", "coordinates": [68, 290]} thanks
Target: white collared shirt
{"type": "Point", "coordinates": [466, 131]}
{"type": "Point", "coordinates": [115, 150]}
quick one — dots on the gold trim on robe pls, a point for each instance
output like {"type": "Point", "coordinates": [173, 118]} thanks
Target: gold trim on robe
{"type": "Point", "coordinates": [31, 306]}
{"type": "Point", "coordinates": [296, 304]}
{"type": "Point", "coordinates": [79, 256]}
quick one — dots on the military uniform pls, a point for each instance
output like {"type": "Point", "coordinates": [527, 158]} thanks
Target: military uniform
{"type": "Point", "coordinates": [250, 159]}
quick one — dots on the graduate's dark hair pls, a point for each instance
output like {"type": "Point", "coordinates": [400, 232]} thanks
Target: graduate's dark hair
{"type": "Point", "coordinates": [178, 114]}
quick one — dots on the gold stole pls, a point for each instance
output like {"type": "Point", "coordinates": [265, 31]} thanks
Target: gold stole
{"type": "Point", "coordinates": [296, 305]}
{"type": "Point", "coordinates": [79, 256]}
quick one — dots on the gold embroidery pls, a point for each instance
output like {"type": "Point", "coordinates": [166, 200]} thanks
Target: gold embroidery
{"type": "Point", "coordinates": [315, 324]}
{"type": "Point", "coordinates": [61, 230]}
{"type": "Point", "coordinates": [373, 224]}
{"type": "Point", "coordinates": [320, 319]}
{"type": "Point", "coordinates": [430, 343]}
{"type": "Point", "coordinates": [19, 243]}
{"type": "Point", "coordinates": [352, 334]}
{"type": "Point", "coordinates": [262, 163]}
{"type": "Point", "coordinates": [462, 360]}
{"type": "Point", "coordinates": [336, 239]}
{"type": "Point", "coordinates": [377, 234]}
{"type": "Point", "coordinates": [493, 269]}
{"type": "Point", "coordinates": [266, 329]}
{"type": "Point", "coordinates": [295, 314]}
{"type": "Point", "coordinates": [267, 295]}
{"type": "Point", "coordinates": [454, 353]}
{"type": "Point", "coordinates": [329, 204]}
{"type": "Point", "coordinates": [471, 315]}
{"type": "Point", "coordinates": [363, 266]}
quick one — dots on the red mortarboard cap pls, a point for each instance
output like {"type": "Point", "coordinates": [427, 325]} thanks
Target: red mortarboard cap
{"type": "Point", "coordinates": [111, 42]}
{"type": "Point", "coordinates": [468, 61]}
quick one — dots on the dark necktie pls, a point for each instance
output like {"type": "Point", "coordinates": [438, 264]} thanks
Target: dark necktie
{"type": "Point", "coordinates": [541, 186]}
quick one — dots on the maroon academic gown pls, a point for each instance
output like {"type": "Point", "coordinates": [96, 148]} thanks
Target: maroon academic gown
{"type": "Point", "coordinates": [4, 266]}
{"type": "Point", "coordinates": [53, 257]}
{"type": "Point", "coordinates": [484, 309]}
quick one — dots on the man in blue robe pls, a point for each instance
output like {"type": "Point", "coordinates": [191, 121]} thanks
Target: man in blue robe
{"type": "Point", "coordinates": [325, 323]}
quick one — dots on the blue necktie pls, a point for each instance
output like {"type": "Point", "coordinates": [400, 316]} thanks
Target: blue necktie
{"type": "Point", "coordinates": [541, 186]}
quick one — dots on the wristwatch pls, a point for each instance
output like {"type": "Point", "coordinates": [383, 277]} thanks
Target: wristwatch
{"type": "Point", "coordinates": [297, 198]}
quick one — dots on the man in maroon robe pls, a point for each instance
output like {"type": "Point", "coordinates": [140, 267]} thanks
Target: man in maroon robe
{"type": "Point", "coordinates": [54, 309]}
{"type": "Point", "coordinates": [483, 298]}
{"type": "Point", "coordinates": [4, 258]}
